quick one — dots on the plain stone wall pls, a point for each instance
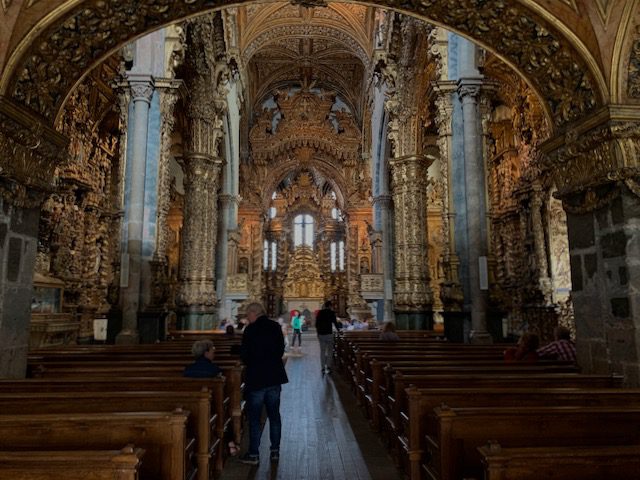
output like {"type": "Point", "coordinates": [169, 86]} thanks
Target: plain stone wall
{"type": "Point", "coordinates": [18, 244]}
{"type": "Point", "coordinates": [605, 273]}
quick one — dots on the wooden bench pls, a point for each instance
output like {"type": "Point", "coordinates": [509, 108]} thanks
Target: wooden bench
{"type": "Point", "coordinates": [65, 465]}
{"type": "Point", "coordinates": [206, 424]}
{"type": "Point", "coordinates": [232, 402]}
{"type": "Point", "coordinates": [168, 452]}
{"type": "Point", "coordinates": [232, 374]}
{"type": "Point", "coordinates": [575, 463]}
{"type": "Point", "coordinates": [458, 432]}
{"type": "Point", "coordinates": [422, 402]}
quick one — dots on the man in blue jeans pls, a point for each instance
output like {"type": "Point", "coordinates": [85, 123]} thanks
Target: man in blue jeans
{"type": "Point", "coordinates": [262, 351]}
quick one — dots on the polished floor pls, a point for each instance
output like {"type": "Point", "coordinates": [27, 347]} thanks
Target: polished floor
{"type": "Point", "coordinates": [324, 435]}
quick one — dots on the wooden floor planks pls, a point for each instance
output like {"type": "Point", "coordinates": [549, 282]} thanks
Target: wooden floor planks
{"type": "Point", "coordinates": [324, 436]}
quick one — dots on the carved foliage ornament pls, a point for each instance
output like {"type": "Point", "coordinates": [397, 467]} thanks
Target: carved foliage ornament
{"type": "Point", "coordinates": [68, 48]}
{"type": "Point", "coordinates": [29, 150]}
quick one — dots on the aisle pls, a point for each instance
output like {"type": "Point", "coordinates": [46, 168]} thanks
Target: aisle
{"type": "Point", "coordinates": [324, 436]}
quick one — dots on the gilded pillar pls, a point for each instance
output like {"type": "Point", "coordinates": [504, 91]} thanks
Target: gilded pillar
{"type": "Point", "coordinates": [412, 296]}
{"type": "Point", "coordinates": [141, 89]}
{"type": "Point", "coordinates": [451, 290]}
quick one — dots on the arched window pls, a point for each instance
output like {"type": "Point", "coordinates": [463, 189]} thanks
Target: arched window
{"type": "Point", "coordinates": [333, 257]}
{"type": "Point", "coordinates": [303, 230]}
{"type": "Point", "coordinates": [273, 212]}
{"type": "Point", "coordinates": [341, 255]}
{"type": "Point", "coordinates": [265, 255]}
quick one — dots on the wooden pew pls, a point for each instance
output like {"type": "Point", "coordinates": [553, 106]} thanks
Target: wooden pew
{"type": "Point", "coordinates": [458, 432]}
{"type": "Point", "coordinates": [575, 463]}
{"type": "Point", "coordinates": [162, 435]}
{"type": "Point", "coordinates": [231, 406]}
{"type": "Point", "coordinates": [69, 465]}
{"type": "Point", "coordinates": [231, 372]}
{"type": "Point", "coordinates": [422, 402]}
{"type": "Point", "coordinates": [205, 424]}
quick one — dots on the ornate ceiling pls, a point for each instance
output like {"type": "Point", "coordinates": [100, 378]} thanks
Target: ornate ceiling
{"type": "Point", "coordinates": [284, 44]}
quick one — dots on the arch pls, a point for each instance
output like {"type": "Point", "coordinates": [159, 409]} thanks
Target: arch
{"type": "Point", "coordinates": [330, 172]}
{"type": "Point", "coordinates": [65, 45]}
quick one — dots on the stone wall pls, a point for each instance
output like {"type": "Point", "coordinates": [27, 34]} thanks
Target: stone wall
{"type": "Point", "coordinates": [18, 240]}
{"type": "Point", "coordinates": [605, 272]}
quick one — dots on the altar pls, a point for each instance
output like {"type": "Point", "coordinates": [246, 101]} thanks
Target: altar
{"type": "Point", "coordinates": [304, 286]}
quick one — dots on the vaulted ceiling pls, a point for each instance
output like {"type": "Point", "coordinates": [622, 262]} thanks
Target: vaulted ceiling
{"type": "Point", "coordinates": [286, 45]}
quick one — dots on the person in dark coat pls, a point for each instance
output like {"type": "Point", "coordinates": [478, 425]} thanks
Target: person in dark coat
{"type": "Point", "coordinates": [325, 320]}
{"type": "Point", "coordinates": [262, 351]}
{"type": "Point", "coordinates": [203, 366]}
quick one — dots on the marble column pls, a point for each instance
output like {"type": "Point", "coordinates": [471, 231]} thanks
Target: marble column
{"type": "Point", "coordinates": [228, 223]}
{"type": "Point", "coordinates": [412, 296]}
{"type": "Point", "coordinates": [141, 89]}
{"type": "Point", "coordinates": [469, 91]}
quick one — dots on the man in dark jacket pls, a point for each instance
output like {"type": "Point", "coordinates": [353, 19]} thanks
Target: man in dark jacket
{"type": "Point", "coordinates": [262, 352]}
{"type": "Point", "coordinates": [324, 321]}
{"type": "Point", "coordinates": [203, 366]}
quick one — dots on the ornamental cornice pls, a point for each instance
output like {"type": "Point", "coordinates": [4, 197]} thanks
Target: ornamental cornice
{"type": "Point", "coordinates": [603, 150]}
{"type": "Point", "coordinates": [29, 150]}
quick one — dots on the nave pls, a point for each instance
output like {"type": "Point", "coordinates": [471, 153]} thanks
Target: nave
{"type": "Point", "coordinates": [324, 435]}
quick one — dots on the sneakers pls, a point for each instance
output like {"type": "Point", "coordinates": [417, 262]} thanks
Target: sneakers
{"type": "Point", "coordinates": [250, 459]}
{"type": "Point", "coordinates": [275, 455]}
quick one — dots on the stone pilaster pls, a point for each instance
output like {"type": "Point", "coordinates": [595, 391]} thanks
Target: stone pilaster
{"type": "Point", "coordinates": [141, 90]}
{"type": "Point", "coordinates": [540, 245]}
{"type": "Point", "coordinates": [385, 204]}
{"type": "Point", "coordinates": [29, 154]}
{"type": "Point", "coordinates": [597, 170]}
{"type": "Point", "coordinates": [412, 296]}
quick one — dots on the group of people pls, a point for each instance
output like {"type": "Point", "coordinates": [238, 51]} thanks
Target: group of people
{"type": "Point", "coordinates": [262, 352]}
{"type": "Point", "coordinates": [528, 348]}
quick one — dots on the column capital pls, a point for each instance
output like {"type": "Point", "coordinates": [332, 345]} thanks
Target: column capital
{"type": "Point", "coordinates": [469, 88]}
{"type": "Point", "coordinates": [141, 87]}
{"type": "Point", "coordinates": [420, 160]}
{"type": "Point", "coordinates": [385, 201]}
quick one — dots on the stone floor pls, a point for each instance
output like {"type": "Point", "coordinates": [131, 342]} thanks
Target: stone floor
{"type": "Point", "coordinates": [324, 435]}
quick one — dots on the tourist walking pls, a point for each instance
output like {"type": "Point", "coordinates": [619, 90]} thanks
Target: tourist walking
{"type": "Point", "coordinates": [325, 320]}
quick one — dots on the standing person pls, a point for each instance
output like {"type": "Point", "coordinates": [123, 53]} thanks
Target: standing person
{"type": "Point", "coordinates": [324, 321]}
{"type": "Point", "coordinates": [296, 324]}
{"type": "Point", "coordinates": [262, 351]}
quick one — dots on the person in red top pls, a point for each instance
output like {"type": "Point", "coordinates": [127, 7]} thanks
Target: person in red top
{"type": "Point", "coordinates": [560, 349]}
{"type": "Point", "coordinates": [525, 351]}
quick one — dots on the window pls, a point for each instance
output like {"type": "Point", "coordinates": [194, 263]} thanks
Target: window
{"type": "Point", "coordinates": [274, 256]}
{"type": "Point", "coordinates": [265, 255]}
{"type": "Point", "coordinates": [336, 214]}
{"type": "Point", "coordinates": [303, 230]}
{"type": "Point", "coordinates": [272, 212]}
{"type": "Point", "coordinates": [333, 256]}
{"type": "Point", "coordinates": [341, 255]}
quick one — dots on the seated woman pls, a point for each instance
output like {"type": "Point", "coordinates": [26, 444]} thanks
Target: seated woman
{"type": "Point", "coordinates": [389, 332]}
{"type": "Point", "coordinates": [525, 351]}
{"type": "Point", "coordinates": [203, 366]}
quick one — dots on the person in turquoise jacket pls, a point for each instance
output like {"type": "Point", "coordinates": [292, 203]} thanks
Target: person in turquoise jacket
{"type": "Point", "coordinates": [296, 325]}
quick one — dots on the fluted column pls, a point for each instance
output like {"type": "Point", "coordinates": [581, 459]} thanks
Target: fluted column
{"type": "Point", "coordinates": [141, 90]}
{"type": "Point", "coordinates": [469, 91]}
{"type": "Point", "coordinates": [412, 296]}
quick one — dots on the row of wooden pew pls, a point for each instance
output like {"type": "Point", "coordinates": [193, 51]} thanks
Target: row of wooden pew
{"type": "Point", "coordinates": [452, 411]}
{"type": "Point", "coordinates": [92, 400]}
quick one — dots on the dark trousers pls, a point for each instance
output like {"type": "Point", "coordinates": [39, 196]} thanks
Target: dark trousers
{"type": "Point", "coordinates": [270, 398]}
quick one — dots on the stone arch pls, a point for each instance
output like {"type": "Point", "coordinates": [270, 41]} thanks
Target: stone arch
{"type": "Point", "coordinates": [47, 64]}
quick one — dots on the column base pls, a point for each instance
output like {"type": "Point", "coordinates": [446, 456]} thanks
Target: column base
{"type": "Point", "coordinates": [128, 337]}
{"type": "Point", "coordinates": [197, 320]}
{"type": "Point", "coordinates": [454, 325]}
{"type": "Point", "coordinates": [414, 320]}
{"type": "Point", "coordinates": [480, 338]}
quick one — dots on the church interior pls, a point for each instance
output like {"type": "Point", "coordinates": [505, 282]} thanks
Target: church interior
{"type": "Point", "coordinates": [468, 170]}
